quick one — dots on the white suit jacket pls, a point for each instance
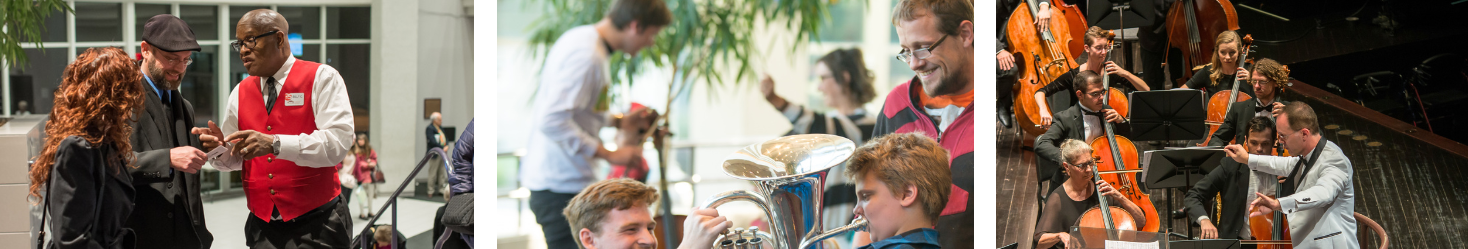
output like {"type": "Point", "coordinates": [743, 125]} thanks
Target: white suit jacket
{"type": "Point", "coordinates": [1322, 210]}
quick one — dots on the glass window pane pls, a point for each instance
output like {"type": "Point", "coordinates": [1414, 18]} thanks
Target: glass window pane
{"type": "Point", "coordinates": [235, 13]}
{"type": "Point", "coordinates": [349, 23]}
{"type": "Point", "coordinates": [354, 64]}
{"type": "Point", "coordinates": [53, 29]}
{"type": "Point", "coordinates": [36, 82]}
{"type": "Point", "coordinates": [145, 12]}
{"type": "Point", "coordinates": [304, 21]}
{"type": "Point", "coordinates": [846, 22]}
{"type": "Point", "coordinates": [310, 52]}
{"type": "Point", "coordinates": [203, 19]}
{"type": "Point", "coordinates": [98, 22]}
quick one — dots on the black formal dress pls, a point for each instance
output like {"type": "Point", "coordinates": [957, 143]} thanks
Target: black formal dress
{"type": "Point", "coordinates": [170, 213]}
{"type": "Point", "coordinates": [88, 201]}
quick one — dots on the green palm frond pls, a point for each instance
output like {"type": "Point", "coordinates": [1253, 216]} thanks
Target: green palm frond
{"type": "Point", "coordinates": [24, 20]}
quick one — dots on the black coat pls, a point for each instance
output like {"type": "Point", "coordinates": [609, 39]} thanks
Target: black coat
{"type": "Point", "coordinates": [1236, 122]}
{"type": "Point", "coordinates": [1067, 124]}
{"type": "Point", "coordinates": [431, 133]}
{"type": "Point", "coordinates": [1231, 181]}
{"type": "Point", "coordinates": [167, 199]}
{"type": "Point", "coordinates": [88, 201]}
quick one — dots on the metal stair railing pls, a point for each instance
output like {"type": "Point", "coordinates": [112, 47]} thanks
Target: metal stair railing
{"type": "Point", "coordinates": [392, 200]}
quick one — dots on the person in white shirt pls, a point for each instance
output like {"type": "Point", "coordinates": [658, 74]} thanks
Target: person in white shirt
{"type": "Point", "coordinates": [568, 111]}
{"type": "Point", "coordinates": [288, 126]}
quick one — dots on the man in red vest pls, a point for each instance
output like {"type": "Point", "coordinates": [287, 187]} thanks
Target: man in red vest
{"type": "Point", "coordinates": [288, 125]}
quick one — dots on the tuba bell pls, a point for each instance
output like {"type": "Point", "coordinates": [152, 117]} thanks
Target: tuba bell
{"type": "Point", "coordinates": [789, 174]}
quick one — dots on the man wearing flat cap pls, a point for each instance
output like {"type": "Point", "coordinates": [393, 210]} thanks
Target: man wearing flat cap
{"type": "Point", "coordinates": [168, 212]}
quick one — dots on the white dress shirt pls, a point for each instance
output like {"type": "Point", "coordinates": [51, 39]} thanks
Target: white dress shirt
{"type": "Point", "coordinates": [562, 146]}
{"type": "Point", "coordinates": [1092, 124]}
{"type": "Point", "coordinates": [325, 147]}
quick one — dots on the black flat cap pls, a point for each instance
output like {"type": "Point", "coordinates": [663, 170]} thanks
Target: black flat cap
{"type": "Point", "coordinates": [169, 33]}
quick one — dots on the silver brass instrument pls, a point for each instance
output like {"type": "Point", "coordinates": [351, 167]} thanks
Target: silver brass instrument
{"type": "Point", "coordinates": [789, 174]}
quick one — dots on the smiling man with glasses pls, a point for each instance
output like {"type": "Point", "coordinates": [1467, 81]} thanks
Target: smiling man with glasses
{"type": "Point", "coordinates": [288, 125]}
{"type": "Point", "coordinates": [937, 39]}
{"type": "Point", "coordinates": [168, 210]}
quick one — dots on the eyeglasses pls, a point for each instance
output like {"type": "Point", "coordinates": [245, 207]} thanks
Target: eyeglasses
{"type": "Point", "coordinates": [175, 62]}
{"type": "Point", "coordinates": [239, 43]}
{"type": "Point", "coordinates": [1096, 94]}
{"type": "Point", "coordinates": [1287, 135]}
{"type": "Point", "coordinates": [922, 53]}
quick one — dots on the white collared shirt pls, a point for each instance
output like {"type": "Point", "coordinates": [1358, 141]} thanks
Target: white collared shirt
{"type": "Point", "coordinates": [325, 147]}
{"type": "Point", "coordinates": [1092, 124]}
{"type": "Point", "coordinates": [561, 151]}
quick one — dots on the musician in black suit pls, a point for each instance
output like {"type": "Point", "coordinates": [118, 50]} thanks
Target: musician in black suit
{"type": "Point", "coordinates": [1269, 80]}
{"type": "Point", "coordinates": [1078, 122]}
{"type": "Point", "coordinates": [1235, 184]}
{"type": "Point", "coordinates": [169, 213]}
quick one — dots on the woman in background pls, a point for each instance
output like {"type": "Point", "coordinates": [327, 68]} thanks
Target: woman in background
{"type": "Point", "coordinates": [88, 193]}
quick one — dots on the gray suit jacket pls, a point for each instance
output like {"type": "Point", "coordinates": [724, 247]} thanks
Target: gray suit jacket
{"type": "Point", "coordinates": [1322, 210]}
{"type": "Point", "coordinates": [168, 201]}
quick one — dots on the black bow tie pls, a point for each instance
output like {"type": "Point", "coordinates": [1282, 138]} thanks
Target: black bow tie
{"type": "Point", "coordinates": [1091, 113]}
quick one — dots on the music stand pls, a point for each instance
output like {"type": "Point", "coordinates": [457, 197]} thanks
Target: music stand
{"type": "Point", "coordinates": [1168, 115]}
{"type": "Point", "coordinates": [1204, 244]}
{"type": "Point", "coordinates": [1178, 168]}
{"type": "Point", "coordinates": [1115, 14]}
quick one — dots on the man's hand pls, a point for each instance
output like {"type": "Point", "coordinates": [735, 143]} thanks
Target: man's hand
{"type": "Point", "coordinates": [701, 229]}
{"type": "Point", "coordinates": [1209, 232]}
{"type": "Point", "coordinates": [1237, 152]}
{"type": "Point", "coordinates": [621, 156]}
{"type": "Point", "coordinates": [250, 144]}
{"type": "Point", "coordinates": [1006, 60]}
{"type": "Point", "coordinates": [1281, 179]}
{"type": "Point", "coordinates": [1278, 109]}
{"type": "Point", "coordinates": [187, 159]}
{"type": "Point", "coordinates": [1264, 205]}
{"type": "Point", "coordinates": [209, 136]}
{"type": "Point", "coordinates": [1241, 75]}
{"type": "Point", "coordinates": [1113, 116]}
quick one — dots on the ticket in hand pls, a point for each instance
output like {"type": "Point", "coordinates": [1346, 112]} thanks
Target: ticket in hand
{"type": "Point", "coordinates": [230, 164]}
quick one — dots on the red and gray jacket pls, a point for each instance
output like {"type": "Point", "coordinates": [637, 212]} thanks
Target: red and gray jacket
{"type": "Point", "coordinates": [901, 113]}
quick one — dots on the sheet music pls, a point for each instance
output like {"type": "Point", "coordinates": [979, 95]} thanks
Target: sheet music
{"type": "Point", "coordinates": [1112, 244]}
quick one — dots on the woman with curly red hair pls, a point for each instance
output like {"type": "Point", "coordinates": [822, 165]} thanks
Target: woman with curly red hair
{"type": "Point", "coordinates": [80, 168]}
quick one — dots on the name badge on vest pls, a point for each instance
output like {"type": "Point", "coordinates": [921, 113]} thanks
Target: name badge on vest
{"type": "Point", "coordinates": [295, 99]}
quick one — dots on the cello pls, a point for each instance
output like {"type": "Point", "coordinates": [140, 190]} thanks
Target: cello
{"type": "Point", "coordinates": [1222, 101]}
{"type": "Point", "coordinates": [1046, 54]}
{"type": "Point", "coordinates": [1077, 24]}
{"type": "Point", "coordinates": [1105, 215]}
{"type": "Point", "coordinates": [1273, 227]}
{"type": "Point", "coordinates": [1191, 26]}
{"type": "Point", "coordinates": [1115, 153]}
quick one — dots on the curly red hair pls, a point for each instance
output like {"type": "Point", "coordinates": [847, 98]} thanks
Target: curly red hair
{"type": "Point", "coordinates": [99, 97]}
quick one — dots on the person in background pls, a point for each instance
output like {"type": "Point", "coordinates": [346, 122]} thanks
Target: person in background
{"type": "Point", "coordinates": [436, 139]}
{"type": "Point", "coordinates": [570, 109]}
{"type": "Point", "coordinates": [364, 171]}
{"type": "Point", "coordinates": [86, 154]}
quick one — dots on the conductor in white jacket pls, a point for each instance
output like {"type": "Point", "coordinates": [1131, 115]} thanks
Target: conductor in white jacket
{"type": "Point", "coordinates": [1319, 200]}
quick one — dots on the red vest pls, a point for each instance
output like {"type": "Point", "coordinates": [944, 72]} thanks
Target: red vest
{"type": "Point", "coordinates": [272, 183]}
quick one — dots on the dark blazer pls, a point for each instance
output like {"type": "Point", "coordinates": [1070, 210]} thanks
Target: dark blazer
{"type": "Point", "coordinates": [1236, 122]}
{"type": "Point", "coordinates": [1066, 125]}
{"type": "Point", "coordinates": [167, 199]}
{"type": "Point", "coordinates": [88, 201]}
{"type": "Point", "coordinates": [1231, 180]}
{"type": "Point", "coordinates": [430, 133]}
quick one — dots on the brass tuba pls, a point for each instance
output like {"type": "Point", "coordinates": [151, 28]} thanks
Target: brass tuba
{"type": "Point", "coordinates": [789, 174]}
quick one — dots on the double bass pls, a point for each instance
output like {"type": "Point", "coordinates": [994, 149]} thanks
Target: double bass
{"type": "Point", "coordinates": [1222, 101]}
{"type": "Point", "coordinates": [1115, 153]}
{"type": "Point", "coordinates": [1077, 25]}
{"type": "Point", "coordinates": [1192, 25]}
{"type": "Point", "coordinates": [1044, 54]}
